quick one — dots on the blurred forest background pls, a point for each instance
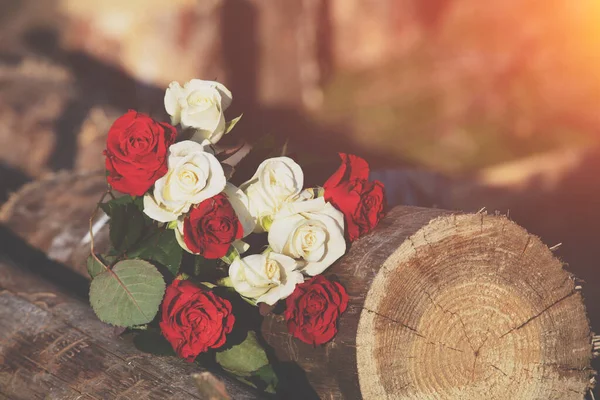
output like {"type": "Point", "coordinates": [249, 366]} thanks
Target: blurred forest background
{"type": "Point", "coordinates": [459, 104]}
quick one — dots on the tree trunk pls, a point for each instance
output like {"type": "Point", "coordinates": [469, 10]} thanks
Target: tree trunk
{"type": "Point", "coordinates": [442, 305]}
{"type": "Point", "coordinates": [449, 306]}
{"type": "Point", "coordinates": [52, 346]}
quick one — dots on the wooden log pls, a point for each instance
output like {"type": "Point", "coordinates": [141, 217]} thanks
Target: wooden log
{"type": "Point", "coordinates": [52, 215]}
{"type": "Point", "coordinates": [442, 305]}
{"type": "Point", "coordinates": [449, 306]}
{"type": "Point", "coordinates": [52, 346]}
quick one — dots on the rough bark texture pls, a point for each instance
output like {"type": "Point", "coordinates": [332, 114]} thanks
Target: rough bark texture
{"type": "Point", "coordinates": [52, 215]}
{"type": "Point", "coordinates": [52, 346]}
{"type": "Point", "coordinates": [442, 305]}
{"type": "Point", "coordinates": [450, 306]}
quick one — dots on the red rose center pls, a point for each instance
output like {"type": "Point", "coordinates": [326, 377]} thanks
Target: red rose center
{"type": "Point", "coordinates": [138, 144]}
{"type": "Point", "coordinates": [315, 304]}
{"type": "Point", "coordinates": [219, 225]}
{"type": "Point", "coordinates": [370, 202]}
{"type": "Point", "coordinates": [198, 323]}
{"type": "Point", "coordinates": [211, 227]}
{"type": "Point", "coordinates": [194, 320]}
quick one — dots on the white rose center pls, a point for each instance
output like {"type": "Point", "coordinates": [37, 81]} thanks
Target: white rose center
{"type": "Point", "coordinates": [309, 241]}
{"type": "Point", "coordinates": [199, 100]}
{"type": "Point", "coordinates": [191, 178]}
{"type": "Point", "coordinates": [279, 181]}
{"type": "Point", "coordinates": [272, 270]}
{"type": "Point", "coordinates": [188, 178]}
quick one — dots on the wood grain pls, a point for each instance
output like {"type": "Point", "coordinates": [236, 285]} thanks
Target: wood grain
{"type": "Point", "coordinates": [443, 305]}
{"type": "Point", "coordinates": [52, 346]}
{"type": "Point", "coordinates": [52, 214]}
{"type": "Point", "coordinates": [449, 306]}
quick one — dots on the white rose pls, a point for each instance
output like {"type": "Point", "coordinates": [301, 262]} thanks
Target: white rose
{"type": "Point", "coordinates": [311, 230]}
{"type": "Point", "coordinates": [194, 175]}
{"type": "Point", "coordinates": [201, 105]}
{"type": "Point", "coordinates": [277, 181]}
{"type": "Point", "coordinates": [266, 278]}
{"type": "Point", "coordinates": [240, 204]}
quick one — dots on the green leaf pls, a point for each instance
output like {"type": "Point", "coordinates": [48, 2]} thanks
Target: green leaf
{"type": "Point", "coordinates": [182, 277]}
{"type": "Point", "coordinates": [268, 377]}
{"type": "Point", "coordinates": [109, 206]}
{"type": "Point", "coordinates": [129, 294]}
{"type": "Point", "coordinates": [266, 222]}
{"type": "Point", "coordinates": [229, 125]}
{"type": "Point", "coordinates": [126, 227]}
{"type": "Point", "coordinates": [245, 358]}
{"type": "Point", "coordinates": [161, 247]}
{"type": "Point", "coordinates": [250, 301]}
{"type": "Point", "coordinates": [225, 282]}
{"type": "Point", "coordinates": [94, 267]}
{"type": "Point", "coordinates": [248, 361]}
{"type": "Point", "coordinates": [231, 255]}
{"type": "Point", "coordinates": [204, 267]}
{"type": "Point", "coordinates": [139, 203]}
{"type": "Point", "coordinates": [127, 221]}
{"type": "Point", "coordinates": [316, 192]}
{"type": "Point", "coordinates": [172, 225]}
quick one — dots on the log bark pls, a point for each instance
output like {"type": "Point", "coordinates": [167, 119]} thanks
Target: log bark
{"type": "Point", "coordinates": [52, 215]}
{"type": "Point", "coordinates": [449, 306]}
{"type": "Point", "coordinates": [52, 346]}
{"type": "Point", "coordinates": [443, 305]}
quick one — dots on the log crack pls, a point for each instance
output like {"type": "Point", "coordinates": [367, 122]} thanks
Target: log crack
{"type": "Point", "coordinates": [410, 328]}
{"type": "Point", "coordinates": [445, 311]}
{"type": "Point", "coordinates": [538, 314]}
{"type": "Point", "coordinates": [526, 245]}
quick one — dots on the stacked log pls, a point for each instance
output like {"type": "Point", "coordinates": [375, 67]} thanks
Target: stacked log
{"type": "Point", "coordinates": [52, 346]}
{"type": "Point", "coordinates": [443, 305]}
{"type": "Point", "coordinates": [52, 215]}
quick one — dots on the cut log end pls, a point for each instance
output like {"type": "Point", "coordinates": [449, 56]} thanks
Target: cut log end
{"type": "Point", "coordinates": [441, 306]}
{"type": "Point", "coordinates": [473, 307]}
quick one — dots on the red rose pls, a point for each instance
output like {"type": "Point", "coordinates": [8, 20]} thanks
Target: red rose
{"type": "Point", "coordinates": [136, 152]}
{"type": "Point", "coordinates": [350, 191]}
{"type": "Point", "coordinates": [313, 309]}
{"type": "Point", "coordinates": [194, 320]}
{"type": "Point", "coordinates": [211, 227]}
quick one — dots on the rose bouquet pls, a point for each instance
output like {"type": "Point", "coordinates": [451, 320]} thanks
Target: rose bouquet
{"type": "Point", "coordinates": [189, 249]}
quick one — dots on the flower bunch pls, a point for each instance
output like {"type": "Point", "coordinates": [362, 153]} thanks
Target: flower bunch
{"type": "Point", "coordinates": [177, 197]}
